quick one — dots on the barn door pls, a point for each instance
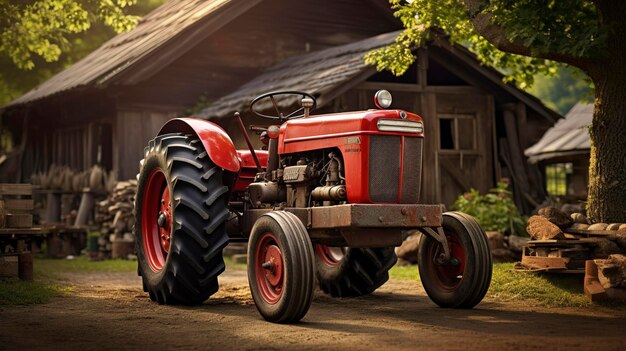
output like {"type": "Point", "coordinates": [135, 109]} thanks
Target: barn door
{"type": "Point", "coordinates": [464, 152]}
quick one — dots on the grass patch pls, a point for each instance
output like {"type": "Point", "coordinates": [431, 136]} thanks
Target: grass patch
{"type": "Point", "coordinates": [17, 292]}
{"type": "Point", "coordinates": [51, 268]}
{"type": "Point", "coordinates": [404, 273]}
{"type": "Point", "coordinates": [47, 273]}
{"type": "Point", "coordinates": [550, 290]}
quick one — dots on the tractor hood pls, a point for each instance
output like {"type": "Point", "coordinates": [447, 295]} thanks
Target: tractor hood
{"type": "Point", "coordinates": [322, 131]}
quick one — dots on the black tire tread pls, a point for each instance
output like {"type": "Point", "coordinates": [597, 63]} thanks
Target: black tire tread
{"type": "Point", "coordinates": [299, 261]}
{"type": "Point", "coordinates": [195, 259]}
{"type": "Point", "coordinates": [364, 271]}
{"type": "Point", "coordinates": [480, 268]}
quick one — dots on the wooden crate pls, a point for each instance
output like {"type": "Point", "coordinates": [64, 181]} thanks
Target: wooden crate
{"type": "Point", "coordinates": [19, 220]}
{"type": "Point", "coordinates": [18, 205]}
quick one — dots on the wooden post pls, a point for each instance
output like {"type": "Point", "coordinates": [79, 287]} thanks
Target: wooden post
{"type": "Point", "coordinates": [53, 211]}
{"type": "Point", "coordinates": [25, 265]}
{"type": "Point", "coordinates": [85, 209]}
{"type": "Point", "coordinates": [517, 160]}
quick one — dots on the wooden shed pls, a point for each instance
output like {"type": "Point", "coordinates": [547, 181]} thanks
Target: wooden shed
{"type": "Point", "coordinates": [224, 52]}
{"type": "Point", "coordinates": [563, 155]}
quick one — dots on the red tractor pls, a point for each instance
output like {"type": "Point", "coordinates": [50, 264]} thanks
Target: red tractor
{"type": "Point", "coordinates": [327, 201]}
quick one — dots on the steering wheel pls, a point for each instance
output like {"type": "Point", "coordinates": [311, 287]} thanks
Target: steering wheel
{"type": "Point", "coordinates": [279, 115]}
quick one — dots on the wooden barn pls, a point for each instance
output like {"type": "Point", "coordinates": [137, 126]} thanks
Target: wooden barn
{"type": "Point", "coordinates": [563, 155]}
{"type": "Point", "coordinates": [222, 53]}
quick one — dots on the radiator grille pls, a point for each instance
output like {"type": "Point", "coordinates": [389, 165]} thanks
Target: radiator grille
{"type": "Point", "coordinates": [412, 170]}
{"type": "Point", "coordinates": [384, 168]}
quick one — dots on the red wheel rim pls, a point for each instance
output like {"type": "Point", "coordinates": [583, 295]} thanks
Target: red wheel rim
{"type": "Point", "coordinates": [156, 220]}
{"type": "Point", "coordinates": [449, 275]}
{"type": "Point", "coordinates": [269, 268]}
{"type": "Point", "coordinates": [329, 255]}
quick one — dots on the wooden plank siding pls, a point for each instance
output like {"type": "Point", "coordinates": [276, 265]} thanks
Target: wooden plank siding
{"type": "Point", "coordinates": [133, 129]}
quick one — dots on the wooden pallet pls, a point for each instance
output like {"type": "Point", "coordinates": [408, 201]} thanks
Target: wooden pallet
{"type": "Point", "coordinates": [563, 256]}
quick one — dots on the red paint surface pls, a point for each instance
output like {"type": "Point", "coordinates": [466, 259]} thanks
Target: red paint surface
{"type": "Point", "coordinates": [150, 232]}
{"type": "Point", "coordinates": [248, 168]}
{"type": "Point", "coordinates": [216, 142]}
{"type": "Point", "coordinates": [269, 280]}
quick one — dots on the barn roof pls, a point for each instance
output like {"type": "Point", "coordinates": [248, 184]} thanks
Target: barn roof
{"type": "Point", "coordinates": [328, 73]}
{"type": "Point", "coordinates": [141, 46]}
{"type": "Point", "coordinates": [569, 136]}
{"type": "Point", "coordinates": [318, 73]}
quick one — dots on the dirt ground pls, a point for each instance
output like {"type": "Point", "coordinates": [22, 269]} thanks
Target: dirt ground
{"type": "Point", "coordinates": [110, 311]}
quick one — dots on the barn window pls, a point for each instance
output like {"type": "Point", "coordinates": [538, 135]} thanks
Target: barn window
{"type": "Point", "coordinates": [457, 132]}
{"type": "Point", "coordinates": [556, 178]}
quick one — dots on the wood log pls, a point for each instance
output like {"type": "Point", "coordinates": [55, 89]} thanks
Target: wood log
{"type": "Point", "coordinates": [612, 271]}
{"type": "Point", "coordinates": [121, 248]}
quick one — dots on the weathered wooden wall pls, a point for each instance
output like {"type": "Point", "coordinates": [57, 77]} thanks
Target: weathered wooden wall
{"type": "Point", "coordinates": [134, 127]}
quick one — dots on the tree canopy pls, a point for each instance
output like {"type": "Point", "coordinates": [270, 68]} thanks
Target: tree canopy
{"type": "Point", "coordinates": [526, 37]}
{"type": "Point", "coordinates": [562, 91]}
{"type": "Point", "coordinates": [522, 38]}
{"type": "Point", "coordinates": [14, 81]}
{"type": "Point", "coordinates": [42, 28]}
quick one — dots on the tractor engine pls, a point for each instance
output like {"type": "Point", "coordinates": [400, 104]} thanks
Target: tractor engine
{"type": "Point", "coordinates": [302, 180]}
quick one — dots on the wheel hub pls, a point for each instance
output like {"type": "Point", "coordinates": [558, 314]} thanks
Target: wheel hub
{"type": "Point", "coordinates": [269, 268]}
{"type": "Point", "coordinates": [451, 272]}
{"type": "Point", "coordinates": [273, 260]}
{"type": "Point", "coordinates": [156, 219]}
{"type": "Point", "coordinates": [331, 256]}
{"type": "Point", "coordinates": [164, 220]}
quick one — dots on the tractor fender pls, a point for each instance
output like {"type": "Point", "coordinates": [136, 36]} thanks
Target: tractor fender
{"type": "Point", "coordinates": [216, 142]}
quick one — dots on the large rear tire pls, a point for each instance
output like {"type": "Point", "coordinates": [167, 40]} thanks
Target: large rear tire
{"type": "Point", "coordinates": [350, 272]}
{"type": "Point", "coordinates": [180, 210]}
{"type": "Point", "coordinates": [281, 269]}
{"type": "Point", "coordinates": [464, 282]}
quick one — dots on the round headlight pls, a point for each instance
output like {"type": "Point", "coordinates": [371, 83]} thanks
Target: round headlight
{"type": "Point", "coordinates": [382, 99]}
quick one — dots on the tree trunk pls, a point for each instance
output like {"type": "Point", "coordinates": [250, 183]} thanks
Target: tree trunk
{"type": "Point", "coordinates": [607, 166]}
{"type": "Point", "coordinates": [607, 169]}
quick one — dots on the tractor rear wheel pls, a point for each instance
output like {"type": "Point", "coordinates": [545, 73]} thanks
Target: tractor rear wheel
{"type": "Point", "coordinates": [344, 272]}
{"type": "Point", "coordinates": [180, 210]}
{"type": "Point", "coordinates": [281, 268]}
{"type": "Point", "coordinates": [464, 281]}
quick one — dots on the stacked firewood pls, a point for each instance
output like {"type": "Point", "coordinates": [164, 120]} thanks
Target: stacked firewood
{"type": "Point", "coordinates": [562, 242]}
{"type": "Point", "coordinates": [115, 218]}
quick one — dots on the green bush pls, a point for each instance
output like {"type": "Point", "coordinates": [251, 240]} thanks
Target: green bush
{"type": "Point", "coordinates": [495, 211]}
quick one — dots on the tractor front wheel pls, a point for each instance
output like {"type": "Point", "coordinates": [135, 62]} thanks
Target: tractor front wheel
{"type": "Point", "coordinates": [463, 281]}
{"type": "Point", "coordinates": [281, 270]}
{"type": "Point", "coordinates": [345, 272]}
{"type": "Point", "coordinates": [180, 210]}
